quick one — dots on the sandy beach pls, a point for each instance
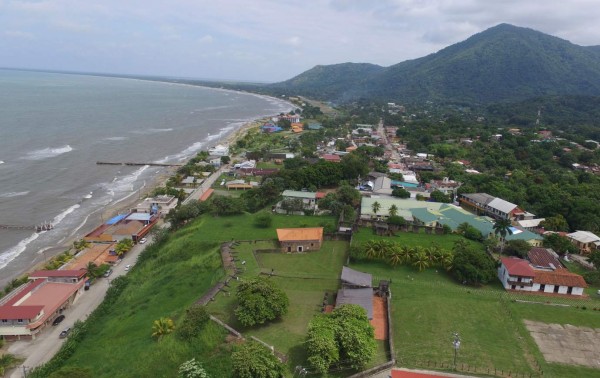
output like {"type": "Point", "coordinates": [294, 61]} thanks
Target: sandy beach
{"type": "Point", "coordinates": [124, 205]}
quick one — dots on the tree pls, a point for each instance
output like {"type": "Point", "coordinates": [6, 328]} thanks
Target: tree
{"type": "Point", "coordinates": [263, 219]}
{"type": "Point", "coordinates": [92, 269]}
{"type": "Point", "coordinates": [193, 322]}
{"type": "Point", "coordinates": [438, 196]}
{"type": "Point", "coordinates": [421, 260]}
{"type": "Point", "coordinates": [346, 194]}
{"type": "Point", "coordinates": [376, 206]}
{"type": "Point", "coordinates": [225, 159]}
{"type": "Point", "coordinates": [555, 223]}
{"type": "Point", "coordinates": [259, 301]}
{"type": "Point", "coordinates": [517, 248]}
{"type": "Point", "coordinates": [471, 266]}
{"type": "Point", "coordinates": [253, 360]}
{"type": "Point", "coordinates": [162, 327]}
{"type": "Point", "coordinates": [395, 256]}
{"type": "Point", "coordinates": [393, 211]}
{"type": "Point", "coordinates": [80, 245]}
{"type": "Point", "coordinates": [192, 369]}
{"type": "Point", "coordinates": [559, 243]}
{"type": "Point", "coordinates": [594, 258]}
{"type": "Point", "coordinates": [223, 205]}
{"type": "Point", "coordinates": [502, 228]}
{"type": "Point", "coordinates": [344, 335]}
{"type": "Point", "coordinates": [401, 193]}
{"type": "Point", "coordinates": [396, 220]}
{"type": "Point", "coordinates": [292, 204]}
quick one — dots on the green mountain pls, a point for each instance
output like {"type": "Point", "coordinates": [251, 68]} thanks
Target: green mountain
{"type": "Point", "coordinates": [503, 63]}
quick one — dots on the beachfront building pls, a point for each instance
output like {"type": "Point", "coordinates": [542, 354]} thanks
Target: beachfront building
{"type": "Point", "coordinates": [30, 308]}
{"type": "Point", "coordinates": [219, 150]}
{"type": "Point", "coordinates": [300, 239]}
{"type": "Point", "coordinates": [157, 205]}
{"type": "Point", "coordinates": [133, 225]}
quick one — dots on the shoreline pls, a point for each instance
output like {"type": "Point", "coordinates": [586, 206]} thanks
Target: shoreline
{"type": "Point", "coordinates": [96, 218]}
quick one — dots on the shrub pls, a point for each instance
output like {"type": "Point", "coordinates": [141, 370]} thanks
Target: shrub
{"type": "Point", "coordinates": [193, 322]}
{"type": "Point", "coordinates": [263, 219]}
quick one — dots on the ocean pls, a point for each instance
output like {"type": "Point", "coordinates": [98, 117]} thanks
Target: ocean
{"type": "Point", "coordinates": [54, 127]}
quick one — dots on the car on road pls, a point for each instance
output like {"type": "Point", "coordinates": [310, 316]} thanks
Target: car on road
{"type": "Point", "coordinates": [65, 332]}
{"type": "Point", "coordinates": [143, 240]}
{"type": "Point", "coordinates": [108, 273]}
{"type": "Point", "coordinates": [127, 267]}
{"type": "Point", "coordinates": [58, 319]}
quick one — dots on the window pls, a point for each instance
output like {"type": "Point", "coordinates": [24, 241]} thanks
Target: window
{"type": "Point", "coordinates": [19, 320]}
{"type": "Point", "coordinates": [4, 320]}
{"type": "Point", "coordinates": [542, 287]}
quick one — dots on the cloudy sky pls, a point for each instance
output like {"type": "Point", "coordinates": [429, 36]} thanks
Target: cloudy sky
{"type": "Point", "coordinates": [261, 40]}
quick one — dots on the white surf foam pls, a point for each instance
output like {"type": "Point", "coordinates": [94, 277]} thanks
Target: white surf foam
{"type": "Point", "coordinates": [47, 153]}
{"type": "Point", "coordinates": [116, 138]}
{"type": "Point", "coordinates": [11, 253]}
{"type": "Point", "coordinates": [14, 194]}
{"type": "Point", "coordinates": [1, 161]}
{"type": "Point", "coordinates": [59, 218]}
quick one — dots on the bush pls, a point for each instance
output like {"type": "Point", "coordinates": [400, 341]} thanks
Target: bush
{"type": "Point", "coordinates": [592, 277]}
{"type": "Point", "coordinates": [193, 322]}
{"type": "Point", "coordinates": [263, 219]}
{"type": "Point", "coordinates": [253, 360]}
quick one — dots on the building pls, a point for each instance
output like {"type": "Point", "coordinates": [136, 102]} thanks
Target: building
{"type": "Point", "coordinates": [308, 199]}
{"type": "Point", "coordinates": [27, 310]}
{"type": "Point", "coordinates": [133, 225]}
{"type": "Point", "coordinates": [219, 150]}
{"type": "Point", "coordinates": [497, 208]}
{"type": "Point", "coordinates": [585, 241]}
{"type": "Point", "coordinates": [518, 274]}
{"type": "Point", "coordinates": [157, 205]}
{"type": "Point", "coordinates": [544, 258]}
{"type": "Point", "coordinates": [300, 239]}
{"type": "Point", "coordinates": [331, 158]}
{"type": "Point", "coordinates": [446, 186]}
{"type": "Point", "coordinates": [356, 289]}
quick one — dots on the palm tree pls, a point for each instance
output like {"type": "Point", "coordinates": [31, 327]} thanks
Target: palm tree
{"type": "Point", "coordinates": [421, 261]}
{"type": "Point", "coordinates": [502, 228]}
{"type": "Point", "coordinates": [395, 256]}
{"type": "Point", "coordinates": [433, 254]}
{"type": "Point", "coordinates": [447, 260]}
{"type": "Point", "coordinates": [80, 245]}
{"type": "Point", "coordinates": [92, 269]}
{"type": "Point", "coordinates": [383, 248]}
{"type": "Point", "coordinates": [462, 228]}
{"type": "Point", "coordinates": [393, 211]}
{"type": "Point", "coordinates": [162, 327]}
{"type": "Point", "coordinates": [376, 207]}
{"type": "Point", "coordinates": [371, 249]}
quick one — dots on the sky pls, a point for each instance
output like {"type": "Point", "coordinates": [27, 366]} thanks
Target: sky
{"type": "Point", "coordinates": [261, 40]}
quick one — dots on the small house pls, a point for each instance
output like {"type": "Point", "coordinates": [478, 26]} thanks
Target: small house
{"type": "Point", "coordinates": [300, 239]}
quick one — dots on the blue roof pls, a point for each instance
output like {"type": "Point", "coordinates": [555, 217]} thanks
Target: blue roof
{"type": "Point", "coordinates": [115, 220]}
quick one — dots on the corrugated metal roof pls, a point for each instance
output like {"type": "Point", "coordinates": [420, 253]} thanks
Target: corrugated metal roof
{"type": "Point", "coordinates": [356, 278]}
{"type": "Point", "coordinates": [299, 194]}
{"type": "Point", "coordinates": [362, 297]}
{"type": "Point", "coordinates": [502, 205]}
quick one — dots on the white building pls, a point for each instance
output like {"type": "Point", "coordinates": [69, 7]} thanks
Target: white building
{"type": "Point", "coordinates": [219, 150]}
{"type": "Point", "coordinates": [585, 241]}
{"type": "Point", "coordinates": [517, 274]}
{"type": "Point", "coordinates": [161, 204]}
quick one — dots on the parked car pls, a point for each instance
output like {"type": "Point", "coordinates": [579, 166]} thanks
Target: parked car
{"type": "Point", "coordinates": [143, 240]}
{"type": "Point", "coordinates": [65, 332]}
{"type": "Point", "coordinates": [58, 319]}
{"type": "Point", "coordinates": [127, 267]}
{"type": "Point", "coordinates": [108, 273]}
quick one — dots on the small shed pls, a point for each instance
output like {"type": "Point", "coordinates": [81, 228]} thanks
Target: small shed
{"type": "Point", "coordinates": [354, 279]}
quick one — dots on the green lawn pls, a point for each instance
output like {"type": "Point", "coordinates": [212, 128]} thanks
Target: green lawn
{"type": "Point", "coordinates": [428, 307]}
{"type": "Point", "coordinates": [304, 277]}
{"type": "Point", "coordinates": [119, 342]}
{"type": "Point", "coordinates": [410, 239]}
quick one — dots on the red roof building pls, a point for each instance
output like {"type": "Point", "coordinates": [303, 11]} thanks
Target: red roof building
{"type": "Point", "coordinates": [517, 274]}
{"type": "Point", "coordinates": [331, 158]}
{"type": "Point", "coordinates": [27, 310]}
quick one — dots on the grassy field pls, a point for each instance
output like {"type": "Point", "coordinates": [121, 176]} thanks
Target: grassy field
{"type": "Point", "coordinates": [305, 279]}
{"type": "Point", "coordinates": [119, 342]}
{"type": "Point", "coordinates": [428, 307]}
{"type": "Point", "coordinates": [411, 239]}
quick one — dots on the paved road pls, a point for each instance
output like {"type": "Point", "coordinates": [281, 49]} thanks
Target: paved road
{"type": "Point", "coordinates": [207, 183]}
{"type": "Point", "coordinates": [47, 343]}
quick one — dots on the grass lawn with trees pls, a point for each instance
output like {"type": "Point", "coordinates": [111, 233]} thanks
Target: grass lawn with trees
{"type": "Point", "coordinates": [305, 277]}
{"type": "Point", "coordinates": [428, 307]}
{"type": "Point", "coordinates": [164, 285]}
{"type": "Point", "coordinates": [411, 239]}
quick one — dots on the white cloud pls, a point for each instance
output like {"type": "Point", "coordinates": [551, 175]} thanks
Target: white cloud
{"type": "Point", "coordinates": [293, 41]}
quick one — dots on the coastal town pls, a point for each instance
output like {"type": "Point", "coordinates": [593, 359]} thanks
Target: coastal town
{"type": "Point", "coordinates": [331, 212]}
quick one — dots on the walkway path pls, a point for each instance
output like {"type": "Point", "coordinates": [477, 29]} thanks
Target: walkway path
{"type": "Point", "coordinates": [206, 184]}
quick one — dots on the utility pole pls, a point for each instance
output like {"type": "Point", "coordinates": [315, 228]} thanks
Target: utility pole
{"type": "Point", "coordinates": [456, 345]}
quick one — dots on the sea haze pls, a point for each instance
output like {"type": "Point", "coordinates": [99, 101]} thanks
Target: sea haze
{"type": "Point", "coordinates": [54, 127]}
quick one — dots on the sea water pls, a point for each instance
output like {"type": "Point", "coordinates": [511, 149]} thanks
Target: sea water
{"type": "Point", "coordinates": [54, 127]}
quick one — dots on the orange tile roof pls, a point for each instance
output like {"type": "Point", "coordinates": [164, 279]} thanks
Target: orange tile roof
{"type": "Point", "coordinates": [413, 374]}
{"type": "Point", "coordinates": [206, 195]}
{"type": "Point", "coordinates": [298, 234]}
{"type": "Point", "coordinates": [559, 277]}
{"type": "Point", "coordinates": [518, 267]}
